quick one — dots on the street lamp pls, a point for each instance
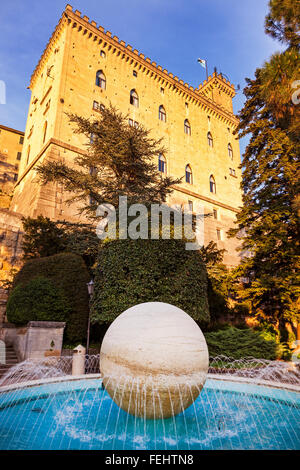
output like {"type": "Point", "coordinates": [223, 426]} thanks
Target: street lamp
{"type": "Point", "coordinates": [90, 287]}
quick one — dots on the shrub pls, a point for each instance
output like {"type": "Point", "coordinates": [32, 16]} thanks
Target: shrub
{"type": "Point", "coordinates": [236, 343]}
{"type": "Point", "coordinates": [130, 272]}
{"type": "Point", "coordinates": [69, 275]}
{"type": "Point", "coordinates": [38, 300]}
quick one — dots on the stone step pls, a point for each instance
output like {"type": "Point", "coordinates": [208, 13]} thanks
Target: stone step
{"type": "Point", "coordinates": [8, 364]}
{"type": "Point", "coordinates": [11, 360]}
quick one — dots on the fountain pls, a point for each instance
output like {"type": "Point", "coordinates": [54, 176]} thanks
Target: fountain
{"type": "Point", "coordinates": [243, 404]}
{"type": "Point", "coordinates": [162, 351]}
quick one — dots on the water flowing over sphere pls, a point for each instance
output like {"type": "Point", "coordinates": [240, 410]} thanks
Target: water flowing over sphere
{"type": "Point", "coordinates": [154, 360]}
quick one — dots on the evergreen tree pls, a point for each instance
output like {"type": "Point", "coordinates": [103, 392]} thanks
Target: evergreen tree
{"type": "Point", "coordinates": [120, 160]}
{"type": "Point", "coordinates": [44, 237]}
{"type": "Point", "coordinates": [283, 21]}
{"type": "Point", "coordinates": [268, 222]}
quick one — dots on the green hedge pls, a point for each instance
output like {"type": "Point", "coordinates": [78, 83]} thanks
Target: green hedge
{"type": "Point", "coordinates": [237, 343]}
{"type": "Point", "coordinates": [69, 275]}
{"type": "Point", "coordinates": [130, 272]}
{"type": "Point", "coordinates": [38, 300]}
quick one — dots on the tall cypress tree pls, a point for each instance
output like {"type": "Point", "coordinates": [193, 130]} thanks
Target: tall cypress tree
{"type": "Point", "coordinates": [269, 221]}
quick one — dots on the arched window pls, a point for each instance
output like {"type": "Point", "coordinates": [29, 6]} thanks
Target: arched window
{"type": "Point", "coordinates": [187, 127]}
{"type": "Point", "coordinates": [162, 113]}
{"type": "Point", "coordinates": [210, 139]}
{"type": "Point", "coordinates": [45, 131]}
{"type": "Point", "coordinates": [212, 184]}
{"type": "Point", "coordinates": [162, 164]}
{"type": "Point", "coordinates": [188, 174]}
{"type": "Point", "coordinates": [230, 151]}
{"type": "Point", "coordinates": [134, 99]}
{"type": "Point", "coordinates": [100, 80]}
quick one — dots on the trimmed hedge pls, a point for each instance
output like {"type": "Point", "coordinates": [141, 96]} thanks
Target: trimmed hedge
{"type": "Point", "coordinates": [131, 272]}
{"type": "Point", "coordinates": [237, 343]}
{"type": "Point", "coordinates": [69, 275]}
{"type": "Point", "coordinates": [38, 300]}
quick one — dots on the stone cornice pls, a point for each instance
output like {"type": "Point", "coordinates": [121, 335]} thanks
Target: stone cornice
{"type": "Point", "coordinates": [207, 199]}
{"type": "Point", "coordinates": [56, 142]}
{"type": "Point", "coordinates": [10, 129]}
{"type": "Point", "coordinates": [98, 34]}
{"type": "Point", "coordinates": [72, 148]}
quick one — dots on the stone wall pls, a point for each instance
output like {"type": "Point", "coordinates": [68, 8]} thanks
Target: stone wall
{"type": "Point", "coordinates": [10, 252]}
{"type": "Point", "coordinates": [11, 141]}
{"type": "Point", "coordinates": [37, 340]}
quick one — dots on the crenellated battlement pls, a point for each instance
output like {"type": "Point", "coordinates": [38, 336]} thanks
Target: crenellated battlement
{"type": "Point", "coordinates": [201, 95]}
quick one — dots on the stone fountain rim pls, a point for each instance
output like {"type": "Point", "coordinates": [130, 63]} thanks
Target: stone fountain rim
{"type": "Point", "coordinates": [217, 377]}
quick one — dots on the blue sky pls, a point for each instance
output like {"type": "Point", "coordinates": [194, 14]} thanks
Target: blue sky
{"type": "Point", "coordinates": [174, 33]}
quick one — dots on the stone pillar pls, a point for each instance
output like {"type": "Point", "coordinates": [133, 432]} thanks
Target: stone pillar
{"type": "Point", "coordinates": [78, 362]}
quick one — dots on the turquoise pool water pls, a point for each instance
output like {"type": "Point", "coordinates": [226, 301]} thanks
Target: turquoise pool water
{"type": "Point", "coordinates": [80, 415]}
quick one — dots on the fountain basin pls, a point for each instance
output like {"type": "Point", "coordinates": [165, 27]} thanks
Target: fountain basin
{"type": "Point", "coordinates": [61, 413]}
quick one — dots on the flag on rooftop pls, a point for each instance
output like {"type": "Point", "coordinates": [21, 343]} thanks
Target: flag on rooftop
{"type": "Point", "coordinates": [202, 62]}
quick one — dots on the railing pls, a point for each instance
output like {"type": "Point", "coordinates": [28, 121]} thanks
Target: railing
{"type": "Point", "coordinates": [249, 367]}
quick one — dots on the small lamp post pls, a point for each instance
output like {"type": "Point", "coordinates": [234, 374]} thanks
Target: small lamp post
{"type": "Point", "coordinates": [90, 287]}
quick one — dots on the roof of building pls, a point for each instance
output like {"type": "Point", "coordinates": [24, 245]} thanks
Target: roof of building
{"type": "Point", "coordinates": [99, 32]}
{"type": "Point", "coordinates": [10, 129]}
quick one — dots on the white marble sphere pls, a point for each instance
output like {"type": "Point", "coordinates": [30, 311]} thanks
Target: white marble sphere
{"type": "Point", "coordinates": [154, 360]}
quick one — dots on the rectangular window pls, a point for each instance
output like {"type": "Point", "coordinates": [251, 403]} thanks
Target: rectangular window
{"type": "Point", "coordinates": [98, 106]}
{"type": "Point", "coordinates": [21, 140]}
{"type": "Point", "coordinates": [219, 234]}
{"type": "Point", "coordinates": [15, 177]}
{"type": "Point", "coordinates": [135, 73]}
{"type": "Point", "coordinates": [19, 156]}
{"type": "Point", "coordinates": [190, 204]}
{"type": "Point", "coordinates": [215, 212]}
{"type": "Point", "coordinates": [162, 90]}
{"type": "Point", "coordinates": [93, 170]}
{"type": "Point", "coordinates": [92, 200]}
{"type": "Point", "coordinates": [161, 166]}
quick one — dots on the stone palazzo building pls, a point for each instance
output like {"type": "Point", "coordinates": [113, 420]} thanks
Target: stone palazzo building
{"type": "Point", "coordinates": [83, 68]}
{"type": "Point", "coordinates": [11, 142]}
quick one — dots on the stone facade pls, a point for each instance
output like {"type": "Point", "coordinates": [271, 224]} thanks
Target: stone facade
{"type": "Point", "coordinates": [64, 81]}
{"type": "Point", "coordinates": [10, 252]}
{"type": "Point", "coordinates": [11, 142]}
